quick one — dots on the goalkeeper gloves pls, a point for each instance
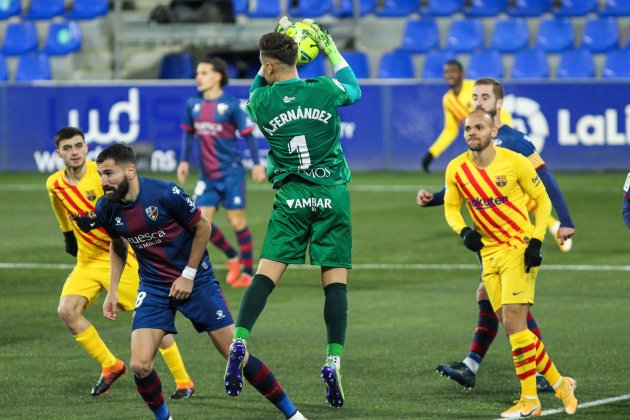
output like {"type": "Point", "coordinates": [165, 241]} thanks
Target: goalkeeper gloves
{"type": "Point", "coordinates": [86, 223]}
{"type": "Point", "coordinates": [472, 239]}
{"type": "Point", "coordinates": [71, 243]}
{"type": "Point", "coordinates": [320, 35]}
{"type": "Point", "coordinates": [426, 161]}
{"type": "Point", "coordinates": [283, 25]}
{"type": "Point", "coordinates": [533, 256]}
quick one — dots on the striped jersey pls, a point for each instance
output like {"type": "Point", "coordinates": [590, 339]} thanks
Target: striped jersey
{"type": "Point", "coordinates": [216, 122]}
{"type": "Point", "coordinates": [69, 201]}
{"type": "Point", "coordinates": [496, 198]}
{"type": "Point", "coordinates": [156, 225]}
{"type": "Point", "coordinates": [518, 142]}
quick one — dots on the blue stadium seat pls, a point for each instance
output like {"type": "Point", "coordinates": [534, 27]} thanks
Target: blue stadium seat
{"type": "Point", "coordinates": [398, 8]}
{"type": "Point", "coordinates": [510, 35]}
{"type": "Point", "coordinates": [486, 8]}
{"type": "Point", "coordinates": [530, 64]}
{"type": "Point", "coordinates": [359, 62]}
{"type": "Point", "coordinates": [19, 38]}
{"type": "Point", "coordinates": [555, 35]}
{"type": "Point", "coordinates": [4, 74]}
{"type": "Point", "coordinates": [240, 7]}
{"type": "Point", "coordinates": [434, 63]}
{"type": "Point", "coordinates": [33, 67]}
{"type": "Point", "coordinates": [526, 8]}
{"type": "Point", "coordinates": [465, 35]}
{"type": "Point", "coordinates": [575, 64]}
{"type": "Point", "coordinates": [177, 66]}
{"type": "Point", "coordinates": [63, 38]}
{"type": "Point", "coordinates": [600, 35]}
{"type": "Point", "coordinates": [420, 36]}
{"type": "Point", "coordinates": [266, 9]}
{"type": "Point", "coordinates": [615, 8]}
{"type": "Point", "coordinates": [485, 63]}
{"type": "Point", "coordinates": [311, 8]}
{"type": "Point", "coordinates": [345, 8]}
{"type": "Point", "coordinates": [88, 9]}
{"type": "Point", "coordinates": [617, 65]}
{"type": "Point", "coordinates": [313, 69]}
{"type": "Point", "coordinates": [576, 7]}
{"type": "Point", "coordinates": [45, 9]}
{"type": "Point", "coordinates": [10, 8]}
{"type": "Point", "coordinates": [442, 7]}
{"type": "Point", "coordinates": [396, 65]}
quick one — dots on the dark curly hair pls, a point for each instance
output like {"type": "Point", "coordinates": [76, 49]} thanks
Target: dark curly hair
{"type": "Point", "coordinates": [279, 46]}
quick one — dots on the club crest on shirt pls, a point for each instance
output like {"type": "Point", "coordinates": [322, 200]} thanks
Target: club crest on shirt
{"type": "Point", "coordinates": [500, 180]}
{"type": "Point", "coordinates": [91, 195]}
{"type": "Point", "coordinates": [221, 108]}
{"type": "Point", "coordinates": [152, 212]}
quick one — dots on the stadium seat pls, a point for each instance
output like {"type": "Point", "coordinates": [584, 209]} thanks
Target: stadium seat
{"type": "Point", "coordinates": [555, 35]}
{"type": "Point", "coordinates": [600, 35]}
{"type": "Point", "coordinates": [420, 36]}
{"type": "Point", "coordinates": [617, 65]}
{"type": "Point", "coordinates": [615, 8]}
{"type": "Point", "coordinates": [45, 9]}
{"type": "Point", "coordinates": [359, 62]}
{"type": "Point", "coordinates": [576, 7]}
{"type": "Point", "coordinates": [33, 67]}
{"type": "Point", "coordinates": [345, 8]}
{"type": "Point", "coordinates": [4, 74]}
{"type": "Point", "coordinates": [576, 63]}
{"type": "Point", "coordinates": [240, 7]}
{"type": "Point", "coordinates": [434, 64]}
{"type": "Point", "coordinates": [530, 64]}
{"type": "Point", "coordinates": [19, 38]}
{"type": "Point", "coordinates": [442, 7]}
{"type": "Point", "coordinates": [465, 35]}
{"type": "Point", "coordinates": [313, 69]}
{"type": "Point", "coordinates": [398, 8]}
{"type": "Point", "coordinates": [485, 63]}
{"type": "Point", "coordinates": [10, 8]}
{"type": "Point", "coordinates": [526, 8]}
{"type": "Point", "coordinates": [311, 8]}
{"type": "Point", "coordinates": [510, 35]}
{"type": "Point", "coordinates": [177, 66]}
{"type": "Point", "coordinates": [88, 9]}
{"type": "Point", "coordinates": [265, 9]}
{"type": "Point", "coordinates": [396, 65]}
{"type": "Point", "coordinates": [486, 8]}
{"type": "Point", "coordinates": [63, 38]}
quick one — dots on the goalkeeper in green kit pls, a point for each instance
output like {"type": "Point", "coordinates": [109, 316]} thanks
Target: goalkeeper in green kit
{"type": "Point", "coordinates": [308, 168]}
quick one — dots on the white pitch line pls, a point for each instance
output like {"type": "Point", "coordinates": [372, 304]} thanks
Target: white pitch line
{"type": "Point", "coordinates": [586, 405]}
{"type": "Point", "coordinates": [219, 267]}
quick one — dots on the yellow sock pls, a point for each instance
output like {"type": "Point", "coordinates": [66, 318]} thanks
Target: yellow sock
{"type": "Point", "coordinates": [95, 347]}
{"type": "Point", "coordinates": [544, 364]}
{"type": "Point", "coordinates": [524, 356]}
{"type": "Point", "coordinates": [175, 364]}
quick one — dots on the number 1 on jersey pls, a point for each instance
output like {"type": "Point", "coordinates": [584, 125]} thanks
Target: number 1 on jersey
{"type": "Point", "coordinates": [298, 143]}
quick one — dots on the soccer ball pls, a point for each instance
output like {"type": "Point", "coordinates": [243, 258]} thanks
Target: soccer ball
{"type": "Point", "coordinates": [307, 48]}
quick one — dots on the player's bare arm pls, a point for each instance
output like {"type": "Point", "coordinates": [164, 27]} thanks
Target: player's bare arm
{"type": "Point", "coordinates": [118, 250]}
{"type": "Point", "coordinates": [183, 170]}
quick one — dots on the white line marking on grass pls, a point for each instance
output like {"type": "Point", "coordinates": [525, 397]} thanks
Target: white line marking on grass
{"type": "Point", "coordinates": [9, 265]}
{"type": "Point", "coordinates": [586, 405]}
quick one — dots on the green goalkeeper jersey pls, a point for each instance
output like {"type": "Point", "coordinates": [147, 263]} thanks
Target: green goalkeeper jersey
{"type": "Point", "coordinates": [300, 121]}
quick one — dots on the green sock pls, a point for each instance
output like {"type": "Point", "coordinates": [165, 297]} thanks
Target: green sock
{"type": "Point", "coordinates": [336, 316]}
{"type": "Point", "coordinates": [253, 304]}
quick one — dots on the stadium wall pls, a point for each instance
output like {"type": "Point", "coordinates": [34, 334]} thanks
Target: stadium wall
{"type": "Point", "coordinates": [577, 126]}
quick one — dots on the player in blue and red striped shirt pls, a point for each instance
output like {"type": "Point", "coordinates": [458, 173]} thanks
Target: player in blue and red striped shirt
{"type": "Point", "coordinates": [214, 117]}
{"type": "Point", "coordinates": [169, 234]}
{"type": "Point", "coordinates": [626, 201]}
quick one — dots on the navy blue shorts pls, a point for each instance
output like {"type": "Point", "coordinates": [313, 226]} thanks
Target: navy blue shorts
{"type": "Point", "coordinates": [206, 308]}
{"type": "Point", "coordinates": [228, 191]}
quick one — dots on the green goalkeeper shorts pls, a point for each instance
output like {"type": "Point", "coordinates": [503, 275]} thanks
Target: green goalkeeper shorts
{"type": "Point", "coordinates": [310, 214]}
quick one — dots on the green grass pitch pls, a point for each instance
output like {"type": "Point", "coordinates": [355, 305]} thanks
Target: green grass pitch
{"type": "Point", "coordinates": [412, 305]}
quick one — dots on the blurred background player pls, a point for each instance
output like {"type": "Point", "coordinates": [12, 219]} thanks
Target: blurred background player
{"type": "Point", "coordinates": [626, 201]}
{"type": "Point", "coordinates": [488, 95]}
{"type": "Point", "coordinates": [73, 192]}
{"type": "Point", "coordinates": [308, 168]}
{"type": "Point", "coordinates": [496, 183]}
{"type": "Point", "coordinates": [214, 117]}
{"type": "Point", "coordinates": [457, 104]}
{"type": "Point", "coordinates": [169, 235]}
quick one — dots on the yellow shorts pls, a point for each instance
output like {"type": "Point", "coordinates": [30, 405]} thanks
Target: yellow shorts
{"type": "Point", "coordinates": [88, 279]}
{"type": "Point", "coordinates": [505, 279]}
